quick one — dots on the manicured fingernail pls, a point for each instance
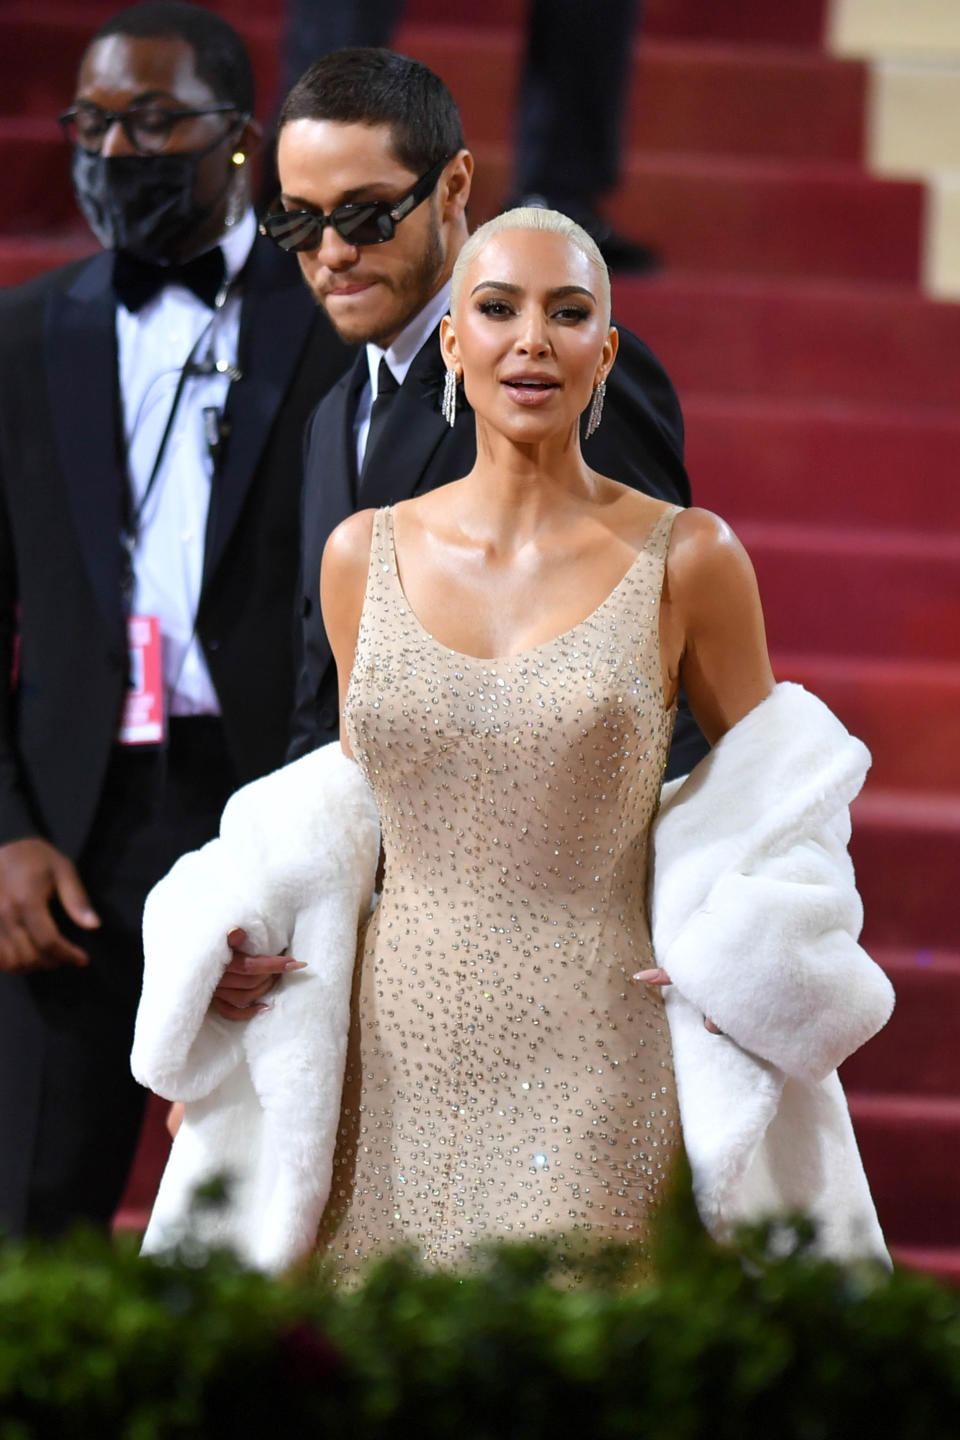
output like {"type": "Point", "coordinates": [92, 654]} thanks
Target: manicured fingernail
{"type": "Point", "coordinates": [646, 974]}
{"type": "Point", "coordinates": [295, 965]}
{"type": "Point", "coordinates": [259, 1009]}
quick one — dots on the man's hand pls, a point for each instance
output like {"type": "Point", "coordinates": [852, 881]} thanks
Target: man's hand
{"type": "Point", "coordinates": [247, 979]}
{"type": "Point", "coordinates": [659, 976]}
{"type": "Point", "coordinates": [32, 872]}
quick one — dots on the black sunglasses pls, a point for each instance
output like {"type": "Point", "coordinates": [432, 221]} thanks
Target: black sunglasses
{"type": "Point", "coordinates": [147, 127]}
{"type": "Point", "coordinates": [369, 222]}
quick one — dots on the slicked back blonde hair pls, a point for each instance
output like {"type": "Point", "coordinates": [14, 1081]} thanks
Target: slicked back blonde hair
{"type": "Point", "coordinates": [530, 217]}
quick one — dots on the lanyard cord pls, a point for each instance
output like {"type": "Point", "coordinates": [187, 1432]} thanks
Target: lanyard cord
{"type": "Point", "coordinates": [130, 532]}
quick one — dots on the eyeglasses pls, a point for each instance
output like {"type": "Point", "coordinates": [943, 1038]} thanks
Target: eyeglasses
{"type": "Point", "coordinates": [147, 127]}
{"type": "Point", "coordinates": [369, 222]}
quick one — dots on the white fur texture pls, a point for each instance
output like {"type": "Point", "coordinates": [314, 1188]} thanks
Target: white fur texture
{"type": "Point", "coordinates": [755, 917]}
{"type": "Point", "coordinates": [294, 866]}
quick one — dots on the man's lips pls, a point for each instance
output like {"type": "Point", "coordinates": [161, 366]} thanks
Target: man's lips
{"type": "Point", "coordinates": [350, 287]}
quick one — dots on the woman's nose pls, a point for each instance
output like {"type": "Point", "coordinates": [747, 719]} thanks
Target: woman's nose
{"type": "Point", "coordinates": [533, 339]}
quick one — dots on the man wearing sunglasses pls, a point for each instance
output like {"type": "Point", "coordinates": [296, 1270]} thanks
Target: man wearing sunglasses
{"type": "Point", "coordinates": [152, 404]}
{"type": "Point", "coordinates": [376, 180]}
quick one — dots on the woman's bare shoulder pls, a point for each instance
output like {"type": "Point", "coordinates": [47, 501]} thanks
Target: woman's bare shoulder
{"type": "Point", "coordinates": [704, 549]}
{"type": "Point", "coordinates": [348, 546]}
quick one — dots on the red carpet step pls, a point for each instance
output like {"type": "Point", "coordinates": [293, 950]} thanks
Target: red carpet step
{"type": "Point", "coordinates": [844, 592]}
{"type": "Point", "coordinates": [906, 851]}
{"type": "Point", "coordinates": [799, 22]}
{"type": "Point", "coordinates": [23, 257]}
{"type": "Point", "coordinates": [945, 1263]}
{"type": "Point", "coordinates": [825, 463]}
{"type": "Point", "coordinates": [904, 710]}
{"type": "Point", "coordinates": [917, 1052]}
{"type": "Point", "coordinates": [739, 217]}
{"type": "Point", "coordinates": [700, 98]}
{"type": "Point", "coordinates": [841, 343]}
{"type": "Point", "coordinates": [911, 1152]}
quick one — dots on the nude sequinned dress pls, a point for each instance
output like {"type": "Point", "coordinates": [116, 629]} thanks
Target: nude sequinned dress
{"type": "Point", "coordinates": [504, 1077]}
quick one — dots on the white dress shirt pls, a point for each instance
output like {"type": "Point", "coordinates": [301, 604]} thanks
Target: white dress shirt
{"type": "Point", "coordinates": [152, 346]}
{"type": "Point", "coordinates": [399, 357]}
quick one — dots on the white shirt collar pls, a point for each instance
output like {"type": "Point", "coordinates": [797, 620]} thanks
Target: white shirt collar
{"type": "Point", "coordinates": [411, 340]}
{"type": "Point", "coordinates": [237, 242]}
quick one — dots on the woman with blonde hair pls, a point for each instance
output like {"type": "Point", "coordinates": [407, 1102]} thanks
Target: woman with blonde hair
{"type": "Point", "coordinates": [510, 647]}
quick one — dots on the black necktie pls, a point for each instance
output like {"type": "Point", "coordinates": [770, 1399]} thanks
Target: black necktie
{"type": "Point", "coordinates": [387, 387]}
{"type": "Point", "coordinates": [136, 281]}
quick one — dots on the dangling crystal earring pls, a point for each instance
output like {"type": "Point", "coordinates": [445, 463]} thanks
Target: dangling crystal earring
{"type": "Point", "coordinates": [596, 408]}
{"type": "Point", "coordinates": [448, 405]}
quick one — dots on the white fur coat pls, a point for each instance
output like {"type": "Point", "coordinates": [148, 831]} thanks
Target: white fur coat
{"type": "Point", "coordinates": [755, 917]}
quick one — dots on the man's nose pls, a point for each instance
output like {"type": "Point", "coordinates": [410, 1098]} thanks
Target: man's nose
{"type": "Point", "coordinates": [335, 252]}
{"type": "Point", "coordinates": [116, 141]}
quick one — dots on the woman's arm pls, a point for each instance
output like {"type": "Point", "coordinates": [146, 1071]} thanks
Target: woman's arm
{"type": "Point", "coordinates": [343, 582]}
{"type": "Point", "coordinates": [711, 625]}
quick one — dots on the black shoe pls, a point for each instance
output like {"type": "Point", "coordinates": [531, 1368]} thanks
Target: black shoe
{"type": "Point", "coordinates": [619, 251]}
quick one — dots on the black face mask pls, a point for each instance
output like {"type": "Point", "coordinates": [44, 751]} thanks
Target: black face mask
{"type": "Point", "coordinates": [140, 203]}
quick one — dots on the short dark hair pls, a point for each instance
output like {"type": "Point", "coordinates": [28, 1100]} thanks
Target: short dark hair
{"type": "Point", "coordinates": [220, 56]}
{"type": "Point", "coordinates": [369, 86]}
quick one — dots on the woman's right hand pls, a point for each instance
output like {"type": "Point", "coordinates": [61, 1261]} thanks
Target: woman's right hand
{"type": "Point", "coordinates": [248, 979]}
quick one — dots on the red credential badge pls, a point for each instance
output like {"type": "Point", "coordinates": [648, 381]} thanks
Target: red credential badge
{"type": "Point", "coordinates": [143, 718]}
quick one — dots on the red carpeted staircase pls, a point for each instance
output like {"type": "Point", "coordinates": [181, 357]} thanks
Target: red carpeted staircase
{"type": "Point", "coordinates": [821, 396]}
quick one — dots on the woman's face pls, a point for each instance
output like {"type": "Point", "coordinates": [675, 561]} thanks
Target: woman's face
{"type": "Point", "coordinates": [530, 334]}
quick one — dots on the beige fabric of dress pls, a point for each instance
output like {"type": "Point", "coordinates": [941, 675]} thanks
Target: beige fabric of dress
{"type": "Point", "coordinates": [504, 1077]}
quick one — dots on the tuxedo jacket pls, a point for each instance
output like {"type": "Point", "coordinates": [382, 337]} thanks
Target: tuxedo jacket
{"type": "Point", "coordinates": [639, 442]}
{"type": "Point", "coordinates": [63, 652]}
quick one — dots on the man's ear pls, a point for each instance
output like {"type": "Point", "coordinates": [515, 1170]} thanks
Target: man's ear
{"type": "Point", "coordinates": [248, 139]}
{"type": "Point", "coordinates": [456, 183]}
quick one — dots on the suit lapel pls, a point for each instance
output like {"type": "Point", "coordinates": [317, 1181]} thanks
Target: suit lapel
{"type": "Point", "coordinates": [273, 328]}
{"type": "Point", "coordinates": [338, 475]}
{"type": "Point", "coordinates": [81, 360]}
{"type": "Point", "coordinates": [411, 434]}
{"type": "Point", "coordinates": [330, 484]}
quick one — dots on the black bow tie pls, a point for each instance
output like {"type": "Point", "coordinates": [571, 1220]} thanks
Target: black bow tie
{"type": "Point", "coordinates": [136, 281]}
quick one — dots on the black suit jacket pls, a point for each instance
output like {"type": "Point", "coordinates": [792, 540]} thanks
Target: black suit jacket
{"type": "Point", "coordinates": [639, 442]}
{"type": "Point", "coordinates": [61, 496]}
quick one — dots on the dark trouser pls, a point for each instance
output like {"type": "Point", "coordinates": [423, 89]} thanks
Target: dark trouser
{"type": "Point", "coordinates": [70, 1111]}
{"type": "Point", "coordinates": [572, 99]}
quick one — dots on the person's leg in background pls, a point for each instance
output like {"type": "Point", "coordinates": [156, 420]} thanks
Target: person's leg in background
{"type": "Point", "coordinates": [571, 110]}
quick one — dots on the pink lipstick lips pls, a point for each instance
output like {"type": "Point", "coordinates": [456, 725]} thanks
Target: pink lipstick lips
{"type": "Point", "coordinates": [531, 388]}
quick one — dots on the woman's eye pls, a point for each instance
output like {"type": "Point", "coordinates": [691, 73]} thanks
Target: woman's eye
{"type": "Point", "coordinates": [496, 308]}
{"type": "Point", "coordinates": [573, 313]}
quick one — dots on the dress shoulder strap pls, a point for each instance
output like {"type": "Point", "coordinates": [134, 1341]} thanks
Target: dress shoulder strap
{"type": "Point", "coordinates": [381, 539]}
{"type": "Point", "coordinates": [658, 541]}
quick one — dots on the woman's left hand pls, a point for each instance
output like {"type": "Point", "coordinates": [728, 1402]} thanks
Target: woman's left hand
{"type": "Point", "coordinates": [660, 977]}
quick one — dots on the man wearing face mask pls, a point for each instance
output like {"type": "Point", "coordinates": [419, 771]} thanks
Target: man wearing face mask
{"type": "Point", "coordinates": [152, 402]}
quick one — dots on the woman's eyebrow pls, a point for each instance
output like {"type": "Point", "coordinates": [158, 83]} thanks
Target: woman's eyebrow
{"type": "Point", "coordinates": [555, 294]}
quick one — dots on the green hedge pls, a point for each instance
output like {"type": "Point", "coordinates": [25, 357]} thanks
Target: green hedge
{"type": "Point", "coordinates": [761, 1341]}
